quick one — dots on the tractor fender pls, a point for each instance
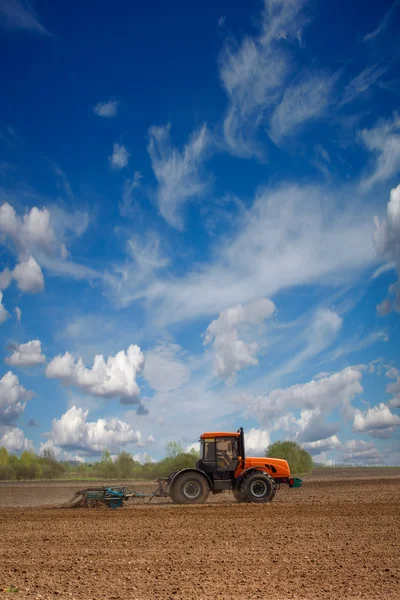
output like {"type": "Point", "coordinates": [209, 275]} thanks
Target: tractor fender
{"type": "Point", "coordinates": [174, 476]}
{"type": "Point", "coordinates": [246, 472]}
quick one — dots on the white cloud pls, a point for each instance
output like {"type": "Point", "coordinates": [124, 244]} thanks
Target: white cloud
{"type": "Point", "coordinates": [314, 428]}
{"type": "Point", "coordinates": [322, 445]}
{"type": "Point", "coordinates": [361, 83]}
{"type": "Point", "coordinates": [257, 441]}
{"type": "Point", "coordinates": [384, 142]}
{"type": "Point", "coordinates": [360, 452]}
{"type": "Point", "coordinates": [378, 421]}
{"type": "Point", "coordinates": [116, 377]}
{"type": "Point", "coordinates": [13, 398]}
{"type": "Point", "coordinates": [387, 244]}
{"type": "Point", "coordinates": [128, 194]}
{"type": "Point", "coordinates": [18, 314]}
{"type": "Point", "coordinates": [14, 440]}
{"type": "Point", "coordinates": [4, 314]}
{"type": "Point", "coordinates": [120, 156]}
{"type": "Point", "coordinates": [254, 73]}
{"type": "Point", "coordinates": [26, 355]}
{"type": "Point", "coordinates": [179, 173]}
{"type": "Point", "coordinates": [59, 453]}
{"type": "Point", "coordinates": [231, 353]}
{"type": "Point", "coordinates": [38, 238]}
{"type": "Point", "coordinates": [394, 388]}
{"type": "Point", "coordinates": [383, 24]}
{"type": "Point", "coordinates": [324, 394]}
{"type": "Point", "coordinates": [17, 14]}
{"type": "Point", "coordinates": [106, 109]}
{"type": "Point", "coordinates": [291, 236]}
{"type": "Point", "coordinates": [129, 279]}
{"type": "Point", "coordinates": [28, 276]}
{"type": "Point", "coordinates": [321, 332]}
{"type": "Point", "coordinates": [302, 102]}
{"type": "Point", "coordinates": [72, 431]}
{"type": "Point", "coordinates": [163, 370]}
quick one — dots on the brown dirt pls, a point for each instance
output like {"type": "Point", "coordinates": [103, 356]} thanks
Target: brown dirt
{"type": "Point", "coordinates": [338, 537]}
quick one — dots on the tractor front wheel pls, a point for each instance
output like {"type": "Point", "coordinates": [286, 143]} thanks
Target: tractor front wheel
{"type": "Point", "coordinates": [190, 488]}
{"type": "Point", "coordinates": [239, 494]}
{"type": "Point", "coordinates": [259, 487]}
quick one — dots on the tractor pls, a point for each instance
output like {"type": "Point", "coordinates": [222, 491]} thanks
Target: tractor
{"type": "Point", "coordinates": [222, 466]}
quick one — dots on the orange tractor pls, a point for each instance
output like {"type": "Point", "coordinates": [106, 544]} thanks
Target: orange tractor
{"type": "Point", "coordinates": [222, 466]}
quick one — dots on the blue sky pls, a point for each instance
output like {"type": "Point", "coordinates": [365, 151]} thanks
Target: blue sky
{"type": "Point", "coordinates": [200, 226]}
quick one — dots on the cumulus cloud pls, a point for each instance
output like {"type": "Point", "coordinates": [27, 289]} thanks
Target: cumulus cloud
{"type": "Point", "coordinates": [13, 398]}
{"type": "Point", "coordinates": [26, 355]}
{"type": "Point", "coordinates": [323, 394]}
{"type": "Point", "coordinates": [387, 244]}
{"type": "Point", "coordinates": [20, 15]}
{"type": "Point", "coordinates": [73, 432]}
{"type": "Point", "coordinates": [179, 173]}
{"type": "Point", "coordinates": [4, 314]}
{"type": "Point", "coordinates": [313, 427]}
{"type": "Point", "coordinates": [164, 369]}
{"type": "Point", "coordinates": [322, 445]}
{"type": "Point", "coordinates": [360, 452]}
{"type": "Point", "coordinates": [116, 377]}
{"type": "Point", "coordinates": [379, 421]}
{"type": "Point", "coordinates": [231, 353]}
{"type": "Point", "coordinates": [257, 441]}
{"type": "Point", "coordinates": [254, 72]}
{"type": "Point", "coordinates": [120, 156]}
{"type": "Point", "coordinates": [18, 314]}
{"type": "Point", "coordinates": [14, 440]}
{"type": "Point", "coordinates": [38, 238]}
{"type": "Point", "coordinates": [106, 109]}
{"type": "Point", "coordinates": [306, 100]}
{"type": "Point", "coordinates": [383, 141]}
{"type": "Point", "coordinates": [28, 276]}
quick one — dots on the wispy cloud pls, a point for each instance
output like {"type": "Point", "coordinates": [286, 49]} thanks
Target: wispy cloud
{"type": "Point", "coordinates": [362, 82]}
{"type": "Point", "coordinates": [254, 72]}
{"type": "Point", "coordinates": [304, 101]}
{"type": "Point", "coordinates": [291, 236]}
{"type": "Point", "coordinates": [120, 156]}
{"type": "Point", "coordinates": [107, 109]}
{"type": "Point", "coordinates": [383, 141]}
{"type": "Point", "coordinates": [179, 173]}
{"type": "Point", "coordinates": [19, 14]}
{"type": "Point", "coordinates": [384, 23]}
{"type": "Point", "coordinates": [128, 194]}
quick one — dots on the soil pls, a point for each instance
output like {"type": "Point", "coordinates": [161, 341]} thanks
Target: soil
{"type": "Point", "coordinates": [337, 537]}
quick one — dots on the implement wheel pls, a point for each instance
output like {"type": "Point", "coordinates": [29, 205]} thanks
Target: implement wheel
{"type": "Point", "coordinates": [190, 488]}
{"type": "Point", "coordinates": [259, 487]}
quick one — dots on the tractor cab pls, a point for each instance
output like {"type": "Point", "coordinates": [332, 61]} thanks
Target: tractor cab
{"type": "Point", "coordinates": [220, 452]}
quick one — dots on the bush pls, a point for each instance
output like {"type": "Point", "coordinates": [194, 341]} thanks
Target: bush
{"type": "Point", "coordinates": [300, 461]}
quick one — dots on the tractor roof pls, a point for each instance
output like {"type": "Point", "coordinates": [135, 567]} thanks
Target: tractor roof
{"type": "Point", "coordinates": [214, 434]}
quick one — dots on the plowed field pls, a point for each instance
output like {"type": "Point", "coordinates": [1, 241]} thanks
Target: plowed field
{"type": "Point", "coordinates": [338, 538]}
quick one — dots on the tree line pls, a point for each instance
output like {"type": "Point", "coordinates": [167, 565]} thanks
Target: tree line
{"type": "Point", "coordinates": [30, 466]}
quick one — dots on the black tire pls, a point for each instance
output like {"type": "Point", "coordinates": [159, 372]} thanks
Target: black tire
{"type": "Point", "coordinates": [190, 488]}
{"type": "Point", "coordinates": [259, 487]}
{"type": "Point", "coordinates": [239, 494]}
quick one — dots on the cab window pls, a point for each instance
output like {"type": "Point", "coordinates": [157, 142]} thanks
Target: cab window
{"type": "Point", "coordinates": [208, 450]}
{"type": "Point", "coordinates": [227, 454]}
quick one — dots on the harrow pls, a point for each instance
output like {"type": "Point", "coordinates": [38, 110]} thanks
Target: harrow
{"type": "Point", "coordinates": [112, 497]}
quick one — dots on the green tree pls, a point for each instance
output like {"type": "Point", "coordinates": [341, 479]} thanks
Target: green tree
{"type": "Point", "coordinates": [173, 449]}
{"type": "Point", "coordinates": [106, 468]}
{"type": "Point", "coordinates": [124, 465]}
{"type": "Point", "coordinates": [300, 461]}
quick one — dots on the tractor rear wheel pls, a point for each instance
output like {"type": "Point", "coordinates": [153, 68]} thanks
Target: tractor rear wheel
{"type": "Point", "coordinates": [259, 487]}
{"type": "Point", "coordinates": [190, 488]}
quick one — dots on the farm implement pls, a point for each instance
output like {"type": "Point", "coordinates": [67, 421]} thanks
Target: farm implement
{"type": "Point", "coordinates": [223, 466]}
